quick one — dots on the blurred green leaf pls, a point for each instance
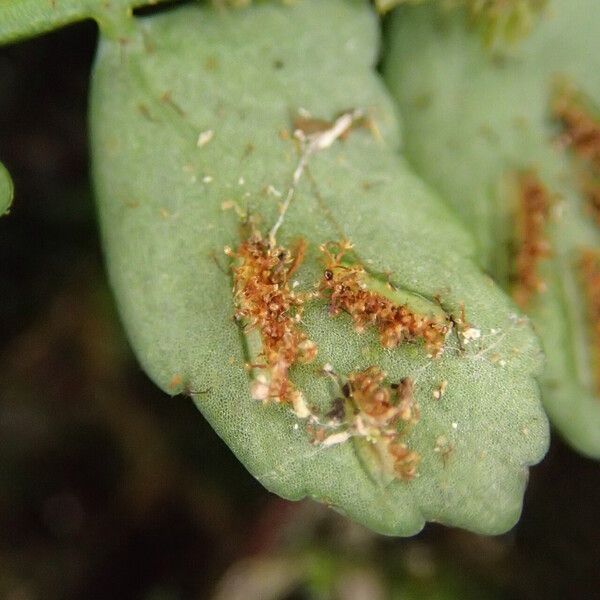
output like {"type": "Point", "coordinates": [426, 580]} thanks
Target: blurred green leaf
{"type": "Point", "coordinates": [472, 121]}
{"type": "Point", "coordinates": [6, 190]}
{"type": "Point", "coordinates": [496, 20]}
{"type": "Point", "coordinates": [164, 183]}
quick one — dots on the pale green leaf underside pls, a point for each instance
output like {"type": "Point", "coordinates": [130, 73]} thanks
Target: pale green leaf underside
{"type": "Point", "coordinates": [242, 74]}
{"type": "Point", "coordinates": [469, 120]}
{"type": "Point", "coordinates": [6, 190]}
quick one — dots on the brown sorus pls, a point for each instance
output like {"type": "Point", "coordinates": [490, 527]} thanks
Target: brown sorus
{"type": "Point", "coordinates": [532, 244]}
{"type": "Point", "coordinates": [345, 284]}
{"type": "Point", "coordinates": [381, 409]}
{"type": "Point", "coordinates": [589, 268]}
{"type": "Point", "coordinates": [581, 127]}
{"type": "Point", "coordinates": [367, 391]}
{"type": "Point", "coordinates": [591, 190]}
{"type": "Point", "coordinates": [406, 460]}
{"type": "Point", "coordinates": [580, 123]}
{"type": "Point", "coordinates": [266, 302]}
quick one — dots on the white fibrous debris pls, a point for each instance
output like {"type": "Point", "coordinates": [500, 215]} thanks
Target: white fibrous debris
{"type": "Point", "coordinates": [470, 334]}
{"type": "Point", "coordinates": [205, 137]}
{"type": "Point", "coordinates": [271, 190]}
{"type": "Point", "coordinates": [259, 390]}
{"type": "Point", "coordinates": [336, 438]}
{"type": "Point", "coordinates": [301, 409]}
{"type": "Point", "coordinates": [440, 390]}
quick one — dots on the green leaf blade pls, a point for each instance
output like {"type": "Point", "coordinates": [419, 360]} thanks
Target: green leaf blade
{"type": "Point", "coordinates": [163, 199]}
{"type": "Point", "coordinates": [474, 120]}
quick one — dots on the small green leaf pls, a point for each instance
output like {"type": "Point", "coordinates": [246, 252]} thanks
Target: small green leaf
{"type": "Point", "coordinates": [6, 190]}
{"type": "Point", "coordinates": [194, 152]}
{"type": "Point", "coordinates": [21, 19]}
{"type": "Point", "coordinates": [473, 122]}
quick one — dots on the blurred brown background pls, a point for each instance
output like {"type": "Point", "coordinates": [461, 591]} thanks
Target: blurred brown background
{"type": "Point", "coordinates": [110, 489]}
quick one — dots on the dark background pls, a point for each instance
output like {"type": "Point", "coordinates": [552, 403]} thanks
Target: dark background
{"type": "Point", "coordinates": [111, 489]}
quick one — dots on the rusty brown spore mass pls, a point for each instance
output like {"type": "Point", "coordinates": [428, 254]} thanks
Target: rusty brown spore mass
{"type": "Point", "coordinates": [580, 124]}
{"type": "Point", "coordinates": [581, 127]}
{"type": "Point", "coordinates": [344, 284]}
{"type": "Point", "coordinates": [533, 246]}
{"type": "Point", "coordinates": [266, 302]}
{"type": "Point", "coordinates": [383, 407]}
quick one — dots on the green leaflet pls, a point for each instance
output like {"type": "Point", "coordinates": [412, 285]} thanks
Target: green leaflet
{"type": "Point", "coordinates": [20, 19]}
{"type": "Point", "coordinates": [6, 190]}
{"type": "Point", "coordinates": [164, 186]}
{"type": "Point", "coordinates": [473, 121]}
{"type": "Point", "coordinates": [25, 18]}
